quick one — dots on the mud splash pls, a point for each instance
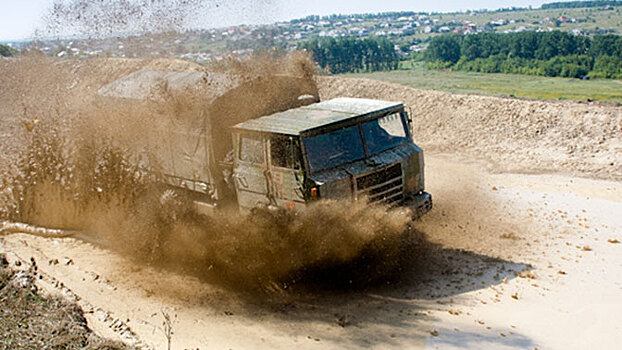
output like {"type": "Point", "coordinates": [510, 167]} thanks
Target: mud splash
{"type": "Point", "coordinates": [86, 172]}
{"type": "Point", "coordinates": [107, 17]}
{"type": "Point", "coordinates": [94, 187]}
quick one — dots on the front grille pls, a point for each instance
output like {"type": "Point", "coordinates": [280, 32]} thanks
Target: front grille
{"type": "Point", "coordinates": [385, 185]}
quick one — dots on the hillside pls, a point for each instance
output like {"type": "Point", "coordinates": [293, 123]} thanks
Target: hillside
{"type": "Point", "coordinates": [409, 30]}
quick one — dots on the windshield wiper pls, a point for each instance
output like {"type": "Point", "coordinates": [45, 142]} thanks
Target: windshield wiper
{"type": "Point", "coordinates": [336, 155]}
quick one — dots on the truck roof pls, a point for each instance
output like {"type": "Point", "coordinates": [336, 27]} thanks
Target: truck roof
{"type": "Point", "coordinates": [333, 112]}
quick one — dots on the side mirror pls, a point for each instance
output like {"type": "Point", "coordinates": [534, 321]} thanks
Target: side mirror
{"type": "Point", "coordinates": [409, 121]}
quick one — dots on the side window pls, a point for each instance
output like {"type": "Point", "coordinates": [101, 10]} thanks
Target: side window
{"type": "Point", "coordinates": [251, 149]}
{"type": "Point", "coordinates": [284, 152]}
{"type": "Point", "coordinates": [392, 124]}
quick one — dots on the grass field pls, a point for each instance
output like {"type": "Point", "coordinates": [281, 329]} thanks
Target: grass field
{"type": "Point", "coordinates": [527, 86]}
{"type": "Point", "coordinates": [595, 18]}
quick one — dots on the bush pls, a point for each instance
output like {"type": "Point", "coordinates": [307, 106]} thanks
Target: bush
{"type": "Point", "coordinates": [609, 67]}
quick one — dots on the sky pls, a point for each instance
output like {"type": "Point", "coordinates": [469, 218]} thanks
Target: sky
{"type": "Point", "coordinates": [20, 18]}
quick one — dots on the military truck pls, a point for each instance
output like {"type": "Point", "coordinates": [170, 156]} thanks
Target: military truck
{"type": "Point", "coordinates": [358, 149]}
{"type": "Point", "coordinates": [270, 142]}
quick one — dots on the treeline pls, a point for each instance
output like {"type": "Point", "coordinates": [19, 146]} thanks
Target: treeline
{"type": "Point", "coordinates": [554, 54]}
{"type": "Point", "coordinates": [352, 55]}
{"type": "Point", "coordinates": [397, 14]}
{"type": "Point", "coordinates": [339, 17]}
{"type": "Point", "coordinates": [578, 4]}
{"type": "Point", "coordinates": [7, 51]}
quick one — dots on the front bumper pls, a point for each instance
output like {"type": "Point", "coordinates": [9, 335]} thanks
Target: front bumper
{"type": "Point", "coordinates": [419, 203]}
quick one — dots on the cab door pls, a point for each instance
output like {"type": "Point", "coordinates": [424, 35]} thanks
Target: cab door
{"type": "Point", "coordinates": [285, 174]}
{"type": "Point", "coordinates": [250, 170]}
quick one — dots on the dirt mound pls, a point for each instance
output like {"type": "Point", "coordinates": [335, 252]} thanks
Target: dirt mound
{"type": "Point", "coordinates": [514, 135]}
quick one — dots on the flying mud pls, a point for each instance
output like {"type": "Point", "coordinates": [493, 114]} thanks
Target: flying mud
{"type": "Point", "coordinates": [95, 175]}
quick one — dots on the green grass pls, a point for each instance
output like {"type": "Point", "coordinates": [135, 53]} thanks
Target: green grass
{"type": "Point", "coordinates": [594, 16]}
{"type": "Point", "coordinates": [535, 87]}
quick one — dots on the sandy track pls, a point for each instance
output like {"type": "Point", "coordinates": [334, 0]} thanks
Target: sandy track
{"type": "Point", "coordinates": [486, 228]}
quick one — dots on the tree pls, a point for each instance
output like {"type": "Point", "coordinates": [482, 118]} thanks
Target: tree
{"type": "Point", "coordinates": [7, 51]}
{"type": "Point", "coordinates": [349, 54]}
{"type": "Point", "coordinates": [609, 67]}
{"type": "Point", "coordinates": [445, 48]}
{"type": "Point", "coordinates": [606, 45]}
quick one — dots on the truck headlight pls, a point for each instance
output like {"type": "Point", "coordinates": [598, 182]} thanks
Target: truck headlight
{"type": "Point", "coordinates": [315, 193]}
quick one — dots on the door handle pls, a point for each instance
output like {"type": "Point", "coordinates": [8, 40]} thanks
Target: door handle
{"type": "Point", "coordinates": [241, 180]}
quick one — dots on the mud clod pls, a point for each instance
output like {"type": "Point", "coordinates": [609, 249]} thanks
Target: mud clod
{"type": "Point", "coordinates": [343, 320]}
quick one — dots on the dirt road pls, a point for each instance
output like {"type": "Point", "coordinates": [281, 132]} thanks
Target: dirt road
{"type": "Point", "coordinates": [514, 262]}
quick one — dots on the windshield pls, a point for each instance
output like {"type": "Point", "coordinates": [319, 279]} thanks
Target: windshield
{"type": "Point", "coordinates": [334, 148]}
{"type": "Point", "coordinates": [384, 133]}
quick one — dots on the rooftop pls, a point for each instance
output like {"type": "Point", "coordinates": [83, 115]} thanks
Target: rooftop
{"type": "Point", "coordinates": [304, 119]}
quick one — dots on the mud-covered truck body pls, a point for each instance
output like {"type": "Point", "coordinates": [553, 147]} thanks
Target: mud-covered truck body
{"type": "Point", "coordinates": [344, 148]}
{"type": "Point", "coordinates": [268, 141]}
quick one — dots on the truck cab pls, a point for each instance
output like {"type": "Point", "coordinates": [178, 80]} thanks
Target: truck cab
{"type": "Point", "coordinates": [345, 148]}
